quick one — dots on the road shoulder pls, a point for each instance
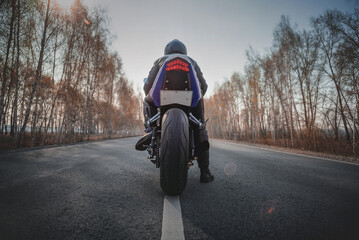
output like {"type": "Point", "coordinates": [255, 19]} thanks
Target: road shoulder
{"type": "Point", "coordinates": [300, 152]}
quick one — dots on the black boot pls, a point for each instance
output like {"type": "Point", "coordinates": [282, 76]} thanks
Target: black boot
{"type": "Point", "coordinates": [206, 175]}
{"type": "Point", "coordinates": [203, 163]}
{"type": "Point", "coordinates": [143, 142]}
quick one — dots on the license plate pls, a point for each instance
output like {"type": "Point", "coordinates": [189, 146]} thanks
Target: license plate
{"type": "Point", "coordinates": [176, 97]}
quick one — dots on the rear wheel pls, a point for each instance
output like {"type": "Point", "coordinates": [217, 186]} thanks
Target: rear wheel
{"type": "Point", "coordinates": [174, 152]}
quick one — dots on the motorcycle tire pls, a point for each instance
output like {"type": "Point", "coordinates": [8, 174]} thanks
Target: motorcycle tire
{"type": "Point", "coordinates": [174, 152]}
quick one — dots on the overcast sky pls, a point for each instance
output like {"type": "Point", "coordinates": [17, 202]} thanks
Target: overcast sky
{"type": "Point", "coordinates": [216, 32]}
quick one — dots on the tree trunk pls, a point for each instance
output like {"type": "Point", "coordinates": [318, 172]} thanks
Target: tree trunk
{"type": "Point", "coordinates": [15, 120]}
{"type": "Point", "coordinates": [3, 85]}
{"type": "Point", "coordinates": [37, 76]}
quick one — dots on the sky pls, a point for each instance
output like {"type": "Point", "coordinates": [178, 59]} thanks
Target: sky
{"type": "Point", "coordinates": [217, 33]}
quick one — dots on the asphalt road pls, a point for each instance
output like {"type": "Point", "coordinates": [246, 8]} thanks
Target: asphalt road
{"type": "Point", "coordinates": [107, 190]}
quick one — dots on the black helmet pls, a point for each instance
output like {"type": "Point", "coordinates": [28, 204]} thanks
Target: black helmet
{"type": "Point", "coordinates": [175, 46]}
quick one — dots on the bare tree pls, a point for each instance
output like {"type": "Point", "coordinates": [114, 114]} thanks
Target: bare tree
{"type": "Point", "coordinates": [305, 91]}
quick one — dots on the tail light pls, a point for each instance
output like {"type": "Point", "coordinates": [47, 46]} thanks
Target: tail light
{"type": "Point", "coordinates": [177, 64]}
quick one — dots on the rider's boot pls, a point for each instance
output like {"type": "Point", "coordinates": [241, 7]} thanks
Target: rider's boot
{"type": "Point", "coordinates": [142, 144]}
{"type": "Point", "coordinates": [203, 163]}
{"type": "Point", "coordinates": [206, 175]}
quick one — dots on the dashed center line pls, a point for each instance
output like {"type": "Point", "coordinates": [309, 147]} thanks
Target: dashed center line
{"type": "Point", "coordinates": [172, 224]}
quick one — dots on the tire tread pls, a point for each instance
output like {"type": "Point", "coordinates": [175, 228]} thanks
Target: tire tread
{"type": "Point", "coordinates": [174, 152]}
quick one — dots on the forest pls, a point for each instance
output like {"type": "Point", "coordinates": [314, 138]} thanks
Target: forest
{"type": "Point", "coordinates": [60, 81]}
{"type": "Point", "coordinates": [302, 94]}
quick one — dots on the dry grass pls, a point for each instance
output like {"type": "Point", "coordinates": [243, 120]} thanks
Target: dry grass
{"type": "Point", "coordinates": [8, 142]}
{"type": "Point", "coordinates": [300, 151]}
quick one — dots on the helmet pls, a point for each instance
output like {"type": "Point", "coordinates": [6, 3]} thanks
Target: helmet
{"type": "Point", "coordinates": [175, 46]}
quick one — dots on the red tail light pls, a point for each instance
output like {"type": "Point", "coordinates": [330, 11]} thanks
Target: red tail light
{"type": "Point", "coordinates": [177, 64]}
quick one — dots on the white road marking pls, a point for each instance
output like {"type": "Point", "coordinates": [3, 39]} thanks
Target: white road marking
{"type": "Point", "coordinates": [297, 154]}
{"type": "Point", "coordinates": [172, 225]}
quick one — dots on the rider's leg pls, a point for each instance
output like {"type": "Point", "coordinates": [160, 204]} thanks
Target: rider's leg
{"type": "Point", "coordinates": [148, 112]}
{"type": "Point", "coordinates": [202, 145]}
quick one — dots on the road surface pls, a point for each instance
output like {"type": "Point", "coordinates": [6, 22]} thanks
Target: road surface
{"type": "Point", "coordinates": [107, 190]}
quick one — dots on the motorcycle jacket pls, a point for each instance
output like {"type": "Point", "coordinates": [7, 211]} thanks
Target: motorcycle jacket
{"type": "Point", "coordinates": [173, 47]}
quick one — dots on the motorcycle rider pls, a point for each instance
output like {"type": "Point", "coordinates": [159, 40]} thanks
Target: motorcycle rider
{"type": "Point", "coordinates": [201, 136]}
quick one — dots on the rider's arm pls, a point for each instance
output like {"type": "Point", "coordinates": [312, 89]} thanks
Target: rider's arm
{"type": "Point", "coordinates": [151, 77]}
{"type": "Point", "coordinates": [201, 79]}
{"type": "Point", "coordinates": [153, 74]}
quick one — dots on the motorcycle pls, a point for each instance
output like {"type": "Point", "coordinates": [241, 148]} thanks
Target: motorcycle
{"type": "Point", "coordinates": [175, 93]}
